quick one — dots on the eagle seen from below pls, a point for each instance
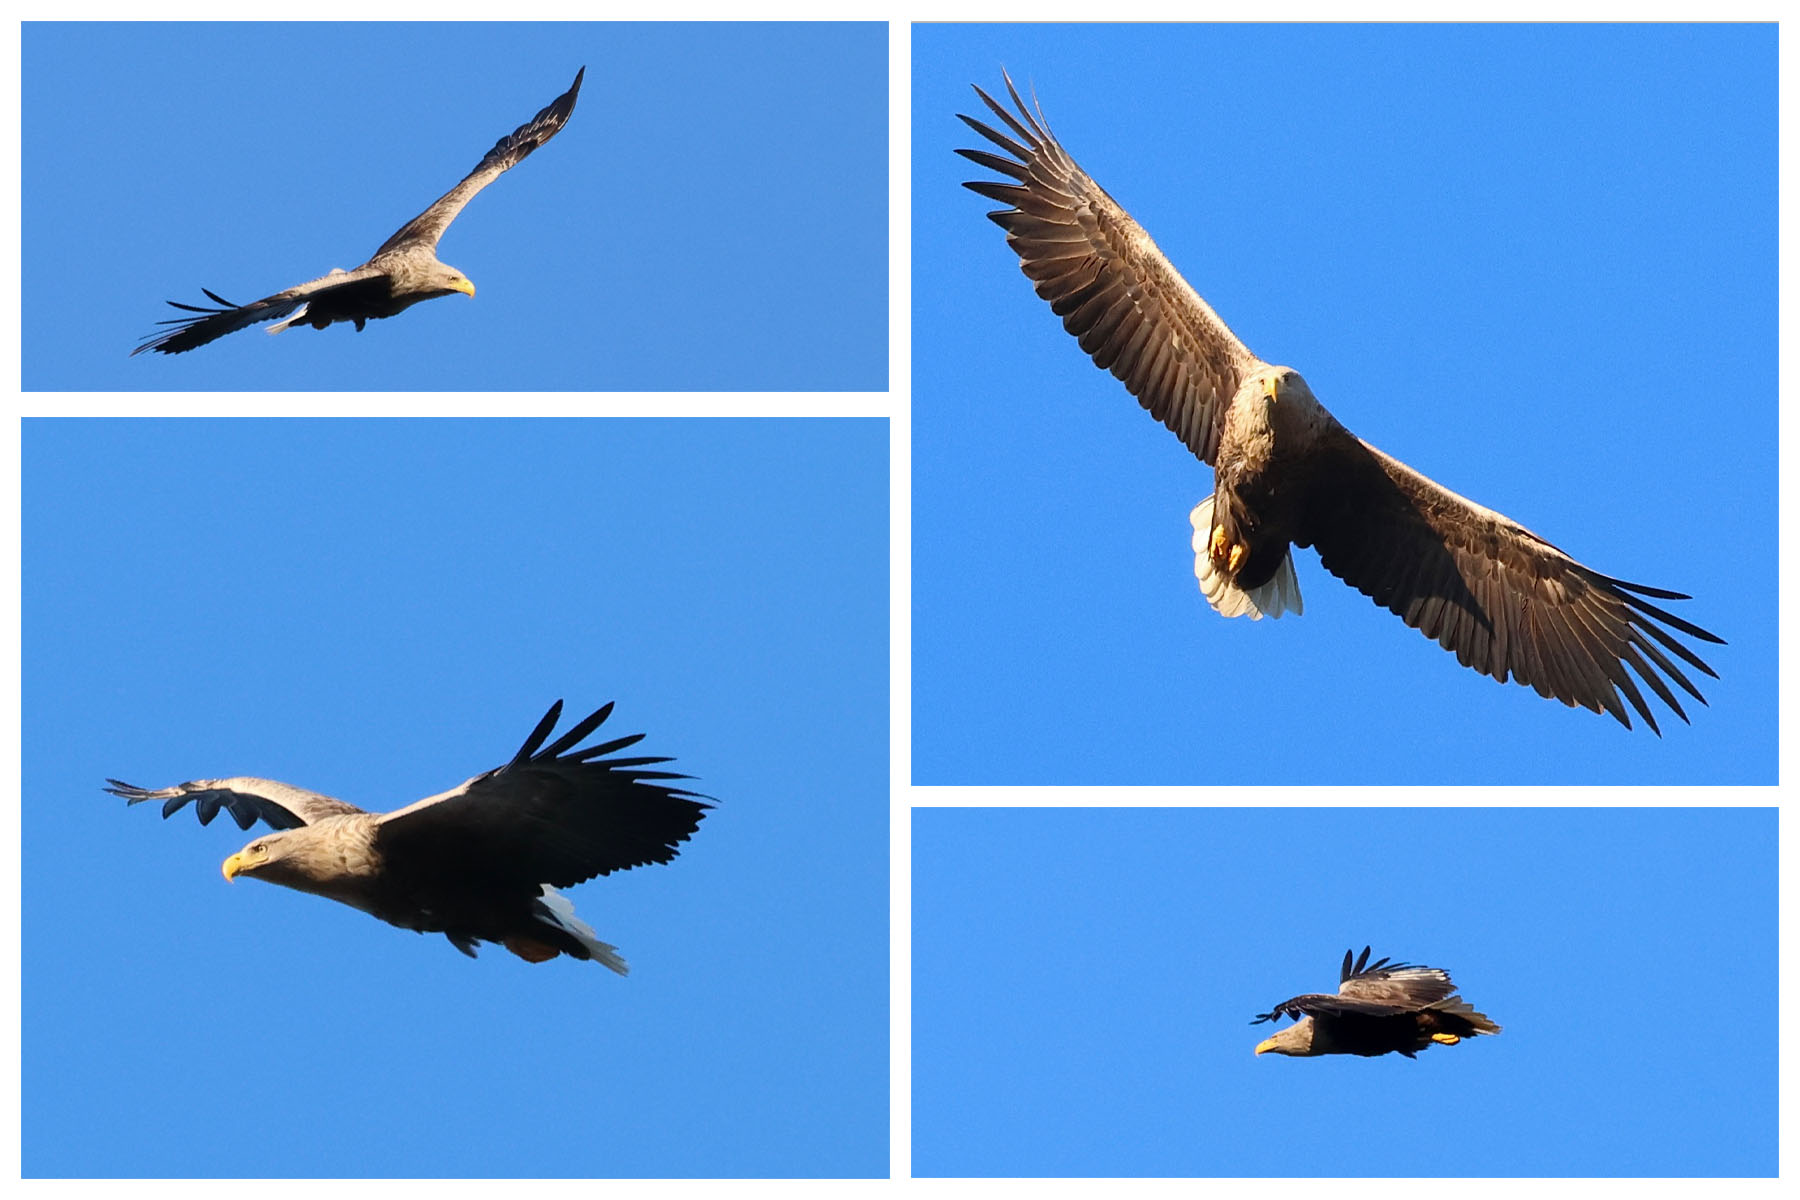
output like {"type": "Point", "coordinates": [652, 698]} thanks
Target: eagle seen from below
{"type": "Point", "coordinates": [1506, 602]}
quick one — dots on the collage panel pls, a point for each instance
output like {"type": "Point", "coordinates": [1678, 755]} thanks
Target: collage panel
{"type": "Point", "coordinates": [377, 611]}
{"type": "Point", "coordinates": [1122, 992]}
{"type": "Point", "coordinates": [1535, 265]}
{"type": "Point", "coordinates": [704, 208]}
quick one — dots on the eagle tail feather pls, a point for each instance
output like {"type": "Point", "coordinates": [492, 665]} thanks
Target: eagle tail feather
{"type": "Point", "coordinates": [555, 910]}
{"type": "Point", "coordinates": [1281, 594]}
{"type": "Point", "coordinates": [299, 318]}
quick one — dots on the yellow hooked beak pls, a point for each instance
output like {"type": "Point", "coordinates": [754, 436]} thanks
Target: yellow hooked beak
{"type": "Point", "coordinates": [232, 866]}
{"type": "Point", "coordinates": [1268, 1045]}
{"type": "Point", "coordinates": [464, 286]}
{"type": "Point", "coordinates": [1271, 386]}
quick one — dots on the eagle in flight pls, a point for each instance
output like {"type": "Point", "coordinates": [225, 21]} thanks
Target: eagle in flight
{"type": "Point", "coordinates": [1286, 473]}
{"type": "Point", "coordinates": [478, 863]}
{"type": "Point", "coordinates": [404, 271]}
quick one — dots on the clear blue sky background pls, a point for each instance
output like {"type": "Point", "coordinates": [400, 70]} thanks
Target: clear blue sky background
{"type": "Point", "coordinates": [1537, 264]}
{"type": "Point", "coordinates": [713, 217]}
{"type": "Point", "coordinates": [1084, 980]}
{"type": "Point", "coordinates": [378, 610]}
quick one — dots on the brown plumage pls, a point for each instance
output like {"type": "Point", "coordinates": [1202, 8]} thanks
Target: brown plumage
{"type": "Point", "coordinates": [404, 271]}
{"type": "Point", "coordinates": [478, 863]}
{"type": "Point", "coordinates": [1506, 602]}
{"type": "Point", "coordinates": [1380, 1008]}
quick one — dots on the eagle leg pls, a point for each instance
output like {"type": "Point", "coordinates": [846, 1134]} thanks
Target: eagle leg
{"type": "Point", "coordinates": [1445, 1039]}
{"type": "Point", "coordinates": [1227, 555]}
{"type": "Point", "coordinates": [1220, 544]}
{"type": "Point", "coordinates": [530, 951]}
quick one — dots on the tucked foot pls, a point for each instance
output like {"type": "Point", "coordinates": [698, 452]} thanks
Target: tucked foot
{"type": "Point", "coordinates": [1445, 1039]}
{"type": "Point", "coordinates": [1219, 548]}
{"type": "Point", "coordinates": [1227, 555]}
{"type": "Point", "coordinates": [531, 951]}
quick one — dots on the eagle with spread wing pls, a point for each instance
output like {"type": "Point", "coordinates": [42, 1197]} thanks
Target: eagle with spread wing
{"type": "Point", "coordinates": [404, 271]}
{"type": "Point", "coordinates": [1506, 602]}
{"type": "Point", "coordinates": [1381, 1007]}
{"type": "Point", "coordinates": [478, 863]}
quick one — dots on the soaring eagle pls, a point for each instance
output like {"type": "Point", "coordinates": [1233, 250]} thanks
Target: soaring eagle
{"type": "Point", "coordinates": [404, 271]}
{"type": "Point", "coordinates": [1380, 1007]}
{"type": "Point", "coordinates": [1506, 602]}
{"type": "Point", "coordinates": [478, 863]}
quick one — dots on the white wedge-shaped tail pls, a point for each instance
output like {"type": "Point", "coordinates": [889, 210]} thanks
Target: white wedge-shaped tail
{"type": "Point", "coordinates": [1281, 594]}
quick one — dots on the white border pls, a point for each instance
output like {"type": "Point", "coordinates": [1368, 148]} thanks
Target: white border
{"type": "Point", "coordinates": [894, 406]}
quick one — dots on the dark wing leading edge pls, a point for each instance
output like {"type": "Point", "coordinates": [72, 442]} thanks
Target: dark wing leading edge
{"type": "Point", "coordinates": [552, 815]}
{"type": "Point", "coordinates": [248, 800]}
{"type": "Point", "coordinates": [190, 332]}
{"type": "Point", "coordinates": [1319, 1005]}
{"type": "Point", "coordinates": [1502, 599]}
{"type": "Point", "coordinates": [426, 228]}
{"type": "Point", "coordinates": [1131, 310]}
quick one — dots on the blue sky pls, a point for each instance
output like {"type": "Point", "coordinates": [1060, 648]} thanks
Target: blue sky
{"type": "Point", "coordinates": [1085, 980]}
{"type": "Point", "coordinates": [378, 610]}
{"type": "Point", "coordinates": [1538, 265]}
{"type": "Point", "coordinates": [713, 217]}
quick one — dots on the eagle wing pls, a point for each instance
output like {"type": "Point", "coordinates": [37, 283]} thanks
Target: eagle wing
{"type": "Point", "coordinates": [1378, 989]}
{"type": "Point", "coordinates": [248, 800]}
{"type": "Point", "coordinates": [212, 323]}
{"type": "Point", "coordinates": [1320, 1005]}
{"type": "Point", "coordinates": [552, 815]}
{"type": "Point", "coordinates": [426, 228]}
{"type": "Point", "coordinates": [1396, 985]}
{"type": "Point", "coordinates": [1502, 599]}
{"type": "Point", "coordinates": [1114, 290]}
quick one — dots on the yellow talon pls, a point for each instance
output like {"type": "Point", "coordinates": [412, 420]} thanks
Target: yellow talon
{"type": "Point", "coordinates": [1227, 555]}
{"type": "Point", "coordinates": [1217, 547]}
{"type": "Point", "coordinates": [1445, 1039]}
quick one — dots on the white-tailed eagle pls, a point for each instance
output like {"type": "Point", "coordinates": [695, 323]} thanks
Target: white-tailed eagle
{"type": "Point", "coordinates": [478, 863]}
{"type": "Point", "coordinates": [1380, 1008]}
{"type": "Point", "coordinates": [404, 271]}
{"type": "Point", "coordinates": [1506, 602]}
